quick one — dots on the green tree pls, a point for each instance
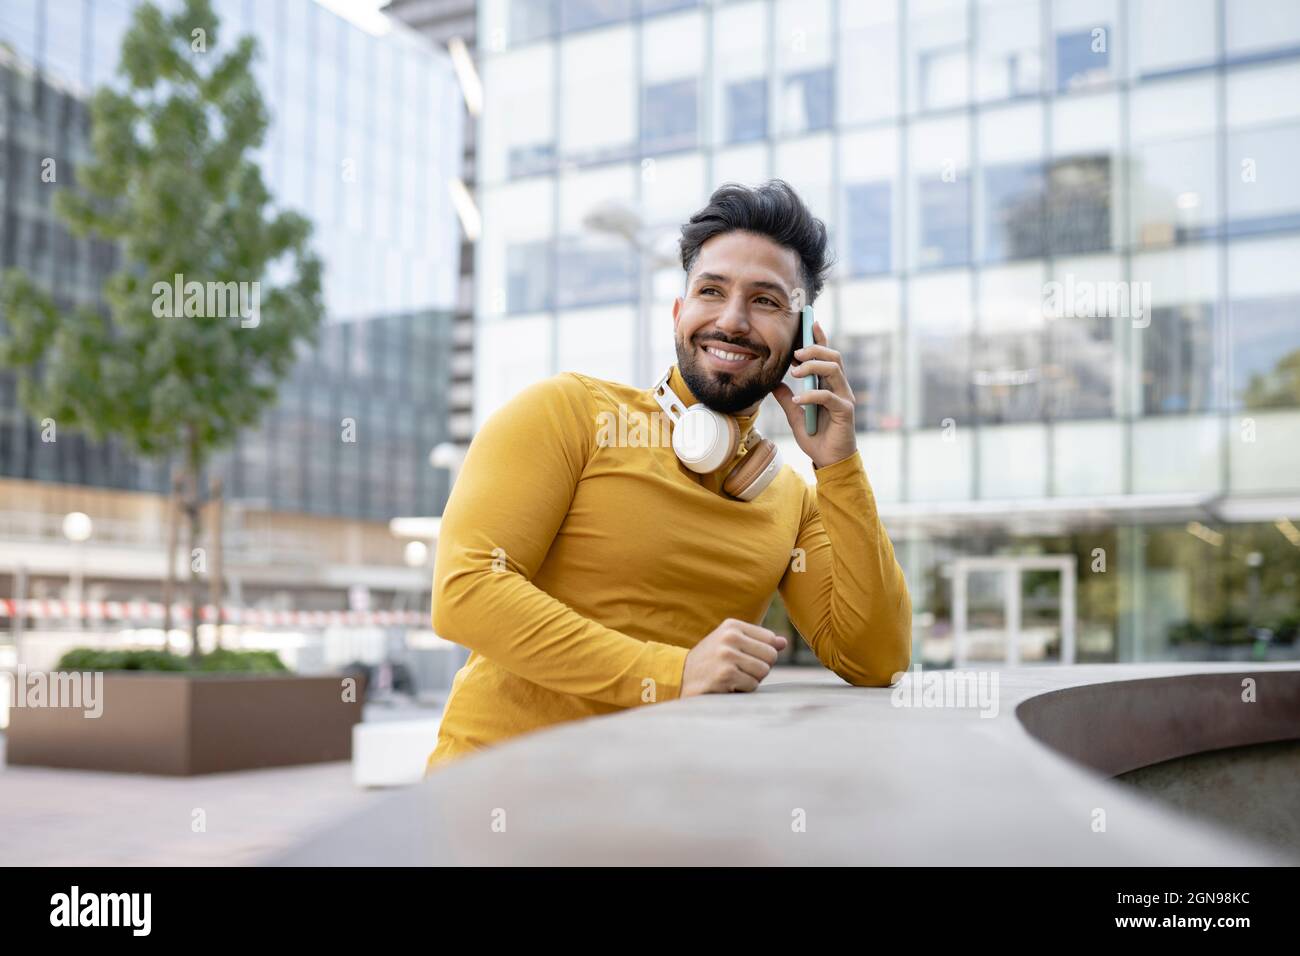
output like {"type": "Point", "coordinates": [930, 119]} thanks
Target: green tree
{"type": "Point", "coordinates": [1279, 388]}
{"type": "Point", "coordinates": [171, 183]}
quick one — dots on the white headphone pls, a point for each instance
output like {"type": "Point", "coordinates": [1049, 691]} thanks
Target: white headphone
{"type": "Point", "coordinates": [704, 440]}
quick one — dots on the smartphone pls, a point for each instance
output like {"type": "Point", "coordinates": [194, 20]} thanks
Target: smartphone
{"type": "Point", "coordinates": [809, 381]}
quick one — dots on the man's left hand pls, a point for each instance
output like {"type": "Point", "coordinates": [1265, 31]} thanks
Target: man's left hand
{"type": "Point", "coordinates": [836, 438]}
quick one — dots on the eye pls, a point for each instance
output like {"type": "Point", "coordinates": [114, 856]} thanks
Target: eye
{"type": "Point", "coordinates": [709, 289]}
{"type": "Point", "coordinates": [766, 300]}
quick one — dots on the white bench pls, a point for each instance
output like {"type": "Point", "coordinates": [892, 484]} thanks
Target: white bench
{"type": "Point", "coordinates": [392, 753]}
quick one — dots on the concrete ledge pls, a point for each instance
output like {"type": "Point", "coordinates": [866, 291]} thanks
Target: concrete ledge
{"type": "Point", "coordinates": [1115, 727]}
{"type": "Point", "coordinates": [728, 779]}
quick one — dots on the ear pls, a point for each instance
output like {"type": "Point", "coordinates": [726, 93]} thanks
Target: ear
{"type": "Point", "coordinates": [677, 311]}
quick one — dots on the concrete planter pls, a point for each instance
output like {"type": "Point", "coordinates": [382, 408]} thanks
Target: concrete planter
{"type": "Point", "coordinates": [185, 724]}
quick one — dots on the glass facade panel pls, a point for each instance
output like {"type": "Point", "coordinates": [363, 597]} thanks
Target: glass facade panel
{"type": "Point", "coordinates": [1263, 145]}
{"type": "Point", "coordinates": [868, 62]}
{"type": "Point", "coordinates": [518, 114]}
{"type": "Point", "coordinates": [671, 90]}
{"type": "Point", "coordinates": [1085, 43]}
{"type": "Point", "coordinates": [1009, 376]}
{"type": "Point", "coordinates": [1154, 48]}
{"type": "Point", "coordinates": [1180, 367]}
{"type": "Point", "coordinates": [1174, 172]}
{"type": "Point", "coordinates": [938, 67]}
{"type": "Point", "coordinates": [598, 123]}
{"type": "Point", "coordinates": [1264, 323]}
{"type": "Point", "coordinates": [940, 193]}
{"type": "Point", "coordinates": [1258, 28]}
{"type": "Point", "coordinates": [1009, 61]}
{"type": "Point", "coordinates": [805, 88]}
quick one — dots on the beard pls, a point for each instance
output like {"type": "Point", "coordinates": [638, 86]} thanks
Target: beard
{"type": "Point", "coordinates": [730, 392]}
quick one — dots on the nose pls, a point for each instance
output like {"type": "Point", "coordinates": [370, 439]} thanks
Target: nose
{"type": "Point", "coordinates": [734, 319]}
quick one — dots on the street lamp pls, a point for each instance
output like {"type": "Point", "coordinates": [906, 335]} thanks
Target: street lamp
{"type": "Point", "coordinates": [77, 528]}
{"type": "Point", "coordinates": [615, 218]}
{"type": "Point", "coordinates": [446, 455]}
{"type": "Point", "coordinates": [416, 554]}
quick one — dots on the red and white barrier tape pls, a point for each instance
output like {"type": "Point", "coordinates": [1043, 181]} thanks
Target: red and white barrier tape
{"type": "Point", "coordinates": [150, 611]}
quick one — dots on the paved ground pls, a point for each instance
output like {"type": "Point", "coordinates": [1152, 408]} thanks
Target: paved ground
{"type": "Point", "coordinates": [80, 818]}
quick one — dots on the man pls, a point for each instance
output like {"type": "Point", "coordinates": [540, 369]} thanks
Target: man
{"type": "Point", "coordinates": [588, 575]}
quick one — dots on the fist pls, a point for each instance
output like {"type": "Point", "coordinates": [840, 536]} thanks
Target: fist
{"type": "Point", "coordinates": [735, 656]}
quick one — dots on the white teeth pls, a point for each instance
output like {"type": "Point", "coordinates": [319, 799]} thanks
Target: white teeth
{"type": "Point", "coordinates": [730, 356]}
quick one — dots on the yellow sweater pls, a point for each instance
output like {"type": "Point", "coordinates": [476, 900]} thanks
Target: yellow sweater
{"type": "Point", "coordinates": [580, 562]}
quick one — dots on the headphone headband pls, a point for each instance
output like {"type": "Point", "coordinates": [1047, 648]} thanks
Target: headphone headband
{"type": "Point", "coordinates": [673, 406]}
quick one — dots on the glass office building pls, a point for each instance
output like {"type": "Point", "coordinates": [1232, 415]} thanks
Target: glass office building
{"type": "Point", "coordinates": [365, 131]}
{"type": "Point", "coordinates": [1067, 288]}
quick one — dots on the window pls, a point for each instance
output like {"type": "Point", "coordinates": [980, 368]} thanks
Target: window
{"type": "Point", "coordinates": [868, 164]}
{"type": "Point", "coordinates": [672, 61]}
{"type": "Point", "coordinates": [1259, 27]}
{"type": "Point", "coordinates": [808, 101]}
{"type": "Point", "coordinates": [1174, 179]}
{"type": "Point", "coordinates": [1082, 59]}
{"type": "Point", "coordinates": [1085, 46]}
{"type": "Point", "coordinates": [870, 340]}
{"type": "Point", "coordinates": [594, 272]}
{"type": "Point", "coordinates": [651, 7]}
{"type": "Point", "coordinates": [1080, 367]}
{"type": "Point", "coordinates": [739, 67]}
{"type": "Point", "coordinates": [530, 160]}
{"type": "Point", "coordinates": [580, 14]}
{"type": "Point", "coordinates": [599, 119]}
{"type": "Point", "coordinates": [939, 190]}
{"type": "Point", "coordinates": [746, 110]}
{"type": "Point", "coordinates": [869, 363]}
{"type": "Point", "coordinates": [531, 20]}
{"type": "Point", "coordinates": [1178, 360]}
{"type": "Point", "coordinates": [1007, 368]}
{"type": "Point", "coordinates": [939, 355]}
{"type": "Point", "coordinates": [804, 39]}
{"type": "Point", "coordinates": [944, 211]}
{"type": "Point", "coordinates": [1015, 211]}
{"type": "Point", "coordinates": [1079, 205]}
{"type": "Point", "coordinates": [1009, 61]}
{"type": "Point", "coordinates": [1264, 334]}
{"type": "Point", "coordinates": [1264, 150]}
{"type": "Point", "coordinates": [1170, 35]}
{"type": "Point", "coordinates": [1174, 349]}
{"type": "Point", "coordinates": [938, 74]}
{"type": "Point", "coordinates": [518, 115]}
{"type": "Point", "coordinates": [528, 276]}
{"type": "Point", "coordinates": [1266, 352]}
{"type": "Point", "coordinates": [868, 62]}
{"type": "Point", "coordinates": [868, 227]}
{"type": "Point", "coordinates": [669, 117]}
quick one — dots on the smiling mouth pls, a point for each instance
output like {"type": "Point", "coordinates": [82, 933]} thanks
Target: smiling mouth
{"type": "Point", "coordinates": [728, 357]}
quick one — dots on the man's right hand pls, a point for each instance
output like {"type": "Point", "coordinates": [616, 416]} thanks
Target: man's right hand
{"type": "Point", "coordinates": [735, 656]}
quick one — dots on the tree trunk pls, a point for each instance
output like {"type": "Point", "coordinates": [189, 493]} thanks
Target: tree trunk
{"type": "Point", "coordinates": [215, 581]}
{"type": "Point", "coordinates": [193, 511]}
{"type": "Point", "coordinates": [172, 518]}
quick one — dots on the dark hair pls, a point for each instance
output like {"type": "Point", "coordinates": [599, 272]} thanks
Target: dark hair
{"type": "Point", "coordinates": [774, 210]}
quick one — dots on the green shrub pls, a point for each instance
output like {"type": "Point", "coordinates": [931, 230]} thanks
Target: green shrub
{"type": "Point", "coordinates": [1186, 632]}
{"type": "Point", "coordinates": [259, 662]}
{"type": "Point", "coordinates": [222, 661]}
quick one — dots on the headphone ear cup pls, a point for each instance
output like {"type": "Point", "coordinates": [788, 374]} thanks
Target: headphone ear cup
{"type": "Point", "coordinates": [705, 440]}
{"type": "Point", "coordinates": [754, 472]}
